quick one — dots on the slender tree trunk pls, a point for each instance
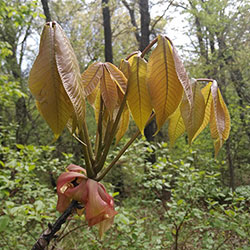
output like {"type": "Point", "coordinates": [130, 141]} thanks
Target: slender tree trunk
{"type": "Point", "coordinates": [145, 21]}
{"type": "Point", "coordinates": [46, 10]}
{"type": "Point", "coordinates": [107, 31]}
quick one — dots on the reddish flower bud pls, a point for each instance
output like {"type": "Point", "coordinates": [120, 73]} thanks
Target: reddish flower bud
{"type": "Point", "coordinates": [99, 205]}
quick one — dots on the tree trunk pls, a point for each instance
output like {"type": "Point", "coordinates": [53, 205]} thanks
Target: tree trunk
{"type": "Point", "coordinates": [107, 31]}
{"type": "Point", "coordinates": [145, 21]}
{"type": "Point", "coordinates": [46, 10]}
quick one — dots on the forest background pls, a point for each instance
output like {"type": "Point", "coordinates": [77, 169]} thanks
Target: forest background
{"type": "Point", "coordinates": [177, 197]}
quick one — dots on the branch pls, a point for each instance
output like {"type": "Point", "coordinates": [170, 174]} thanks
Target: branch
{"type": "Point", "coordinates": [132, 19]}
{"type": "Point", "coordinates": [27, 33]}
{"type": "Point", "coordinates": [50, 232]}
{"type": "Point", "coordinates": [46, 10]}
{"type": "Point", "coordinates": [160, 17]}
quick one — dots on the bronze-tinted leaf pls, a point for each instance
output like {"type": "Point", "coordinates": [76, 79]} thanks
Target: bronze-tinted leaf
{"type": "Point", "coordinates": [225, 133]}
{"type": "Point", "coordinates": [182, 76]}
{"type": "Point", "coordinates": [125, 68]}
{"type": "Point", "coordinates": [164, 85]}
{"type": "Point", "coordinates": [138, 96]}
{"type": "Point", "coordinates": [91, 77]}
{"type": "Point", "coordinates": [109, 90]}
{"type": "Point", "coordinates": [69, 72]}
{"type": "Point", "coordinates": [193, 115]}
{"type": "Point", "coordinates": [123, 124]}
{"type": "Point", "coordinates": [219, 119]}
{"type": "Point", "coordinates": [118, 76]}
{"type": "Point", "coordinates": [46, 85]}
{"type": "Point", "coordinates": [92, 97]}
{"type": "Point", "coordinates": [105, 114]}
{"type": "Point", "coordinates": [176, 126]}
{"type": "Point", "coordinates": [206, 92]}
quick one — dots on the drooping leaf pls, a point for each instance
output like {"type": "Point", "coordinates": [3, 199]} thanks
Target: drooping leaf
{"type": "Point", "coordinates": [92, 97]}
{"type": "Point", "coordinates": [69, 72]}
{"type": "Point", "coordinates": [206, 92]}
{"type": "Point", "coordinates": [126, 64]}
{"type": "Point", "coordinates": [164, 85]}
{"type": "Point", "coordinates": [125, 67]}
{"type": "Point", "coordinates": [176, 126]}
{"type": "Point", "coordinates": [138, 96]}
{"type": "Point", "coordinates": [193, 116]}
{"type": "Point", "coordinates": [219, 119]}
{"type": "Point", "coordinates": [118, 76]}
{"type": "Point", "coordinates": [72, 124]}
{"type": "Point", "coordinates": [109, 90]}
{"type": "Point", "coordinates": [123, 124]}
{"type": "Point", "coordinates": [91, 77]}
{"type": "Point", "coordinates": [182, 76]}
{"type": "Point", "coordinates": [46, 85]}
{"type": "Point", "coordinates": [225, 133]}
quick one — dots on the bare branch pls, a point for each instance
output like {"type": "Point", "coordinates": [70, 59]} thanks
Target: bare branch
{"type": "Point", "coordinates": [160, 17]}
{"type": "Point", "coordinates": [50, 232]}
{"type": "Point", "coordinates": [132, 19]}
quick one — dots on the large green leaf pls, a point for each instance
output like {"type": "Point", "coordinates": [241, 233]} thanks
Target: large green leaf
{"type": "Point", "coordinates": [46, 85]}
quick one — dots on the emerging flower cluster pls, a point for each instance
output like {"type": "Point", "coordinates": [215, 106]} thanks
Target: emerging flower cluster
{"type": "Point", "coordinates": [98, 204]}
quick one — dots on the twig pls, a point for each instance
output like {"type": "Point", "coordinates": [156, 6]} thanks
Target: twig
{"type": "Point", "coordinates": [50, 232]}
{"type": "Point", "coordinates": [70, 231]}
{"type": "Point", "coordinates": [160, 17]}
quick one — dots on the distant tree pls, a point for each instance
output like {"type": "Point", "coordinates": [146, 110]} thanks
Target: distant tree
{"type": "Point", "coordinates": [219, 39]}
{"type": "Point", "coordinates": [46, 10]}
{"type": "Point", "coordinates": [107, 31]}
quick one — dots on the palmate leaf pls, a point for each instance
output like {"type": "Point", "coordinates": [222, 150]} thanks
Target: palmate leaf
{"type": "Point", "coordinates": [138, 96]}
{"type": "Point", "coordinates": [165, 88]}
{"type": "Point", "coordinates": [219, 118]}
{"type": "Point", "coordinates": [109, 79]}
{"type": "Point", "coordinates": [69, 71]}
{"type": "Point", "coordinates": [193, 116]}
{"type": "Point", "coordinates": [46, 85]}
{"type": "Point", "coordinates": [176, 126]}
